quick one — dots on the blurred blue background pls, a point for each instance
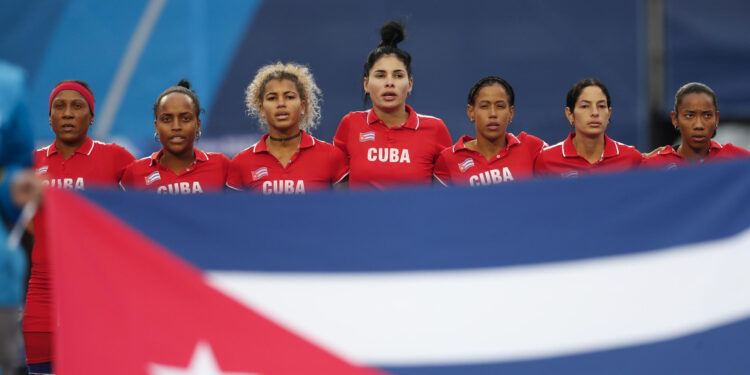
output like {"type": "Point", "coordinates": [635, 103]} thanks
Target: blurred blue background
{"type": "Point", "coordinates": [131, 51]}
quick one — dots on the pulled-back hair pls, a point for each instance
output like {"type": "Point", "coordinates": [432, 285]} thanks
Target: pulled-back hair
{"type": "Point", "coordinates": [302, 78]}
{"type": "Point", "coordinates": [391, 34]}
{"type": "Point", "coordinates": [183, 87]}
{"type": "Point", "coordinates": [577, 89]}
{"type": "Point", "coordinates": [694, 88]}
{"type": "Point", "coordinates": [491, 80]}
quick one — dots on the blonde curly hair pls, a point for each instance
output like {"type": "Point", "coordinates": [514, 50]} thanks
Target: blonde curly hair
{"type": "Point", "coordinates": [298, 74]}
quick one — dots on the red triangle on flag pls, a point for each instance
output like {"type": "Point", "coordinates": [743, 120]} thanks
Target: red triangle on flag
{"type": "Point", "coordinates": [128, 306]}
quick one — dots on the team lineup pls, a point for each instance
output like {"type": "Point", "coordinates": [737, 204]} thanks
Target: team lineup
{"type": "Point", "coordinates": [388, 146]}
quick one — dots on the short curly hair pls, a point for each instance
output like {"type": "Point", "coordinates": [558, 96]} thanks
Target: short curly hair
{"type": "Point", "coordinates": [298, 74]}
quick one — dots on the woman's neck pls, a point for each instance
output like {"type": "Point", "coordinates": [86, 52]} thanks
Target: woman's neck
{"type": "Point", "coordinates": [67, 149]}
{"type": "Point", "coordinates": [177, 162]}
{"type": "Point", "coordinates": [394, 118]}
{"type": "Point", "coordinates": [589, 148]}
{"type": "Point", "coordinates": [283, 143]}
{"type": "Point", "coordinates": [489, 148]}
{"type": "Point", "coordinates": [693, 154]}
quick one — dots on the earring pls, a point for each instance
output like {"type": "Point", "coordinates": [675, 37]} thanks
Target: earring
{"type": "Point", "coordinates": [198, 135]}
{"type": "Point", "coordinates": [156, 137]}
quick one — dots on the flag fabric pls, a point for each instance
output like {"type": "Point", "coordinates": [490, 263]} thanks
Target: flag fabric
{"type": "Point", "coordinates": [642, 272]}
{"type": "Point", "coordinates": [367, 136]}
{"type": "Point", "coordinates": [259, 173]}
{"type": "Point", "coordinates": [153, 177]}
{"type": "Point", "coordinates": [466, 164]}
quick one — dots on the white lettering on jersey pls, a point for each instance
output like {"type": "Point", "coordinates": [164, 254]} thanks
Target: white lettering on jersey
{"type": "Point", "coordinates": [65, 183]}
{"type": "Point", "coordinates": [388, 155]}
{"type": "Point", "coordinates": [284, 187]}
{"type": "Point", "coordinates": [493, 176]}
{"type": "Point", "coordinates": [180, 188]}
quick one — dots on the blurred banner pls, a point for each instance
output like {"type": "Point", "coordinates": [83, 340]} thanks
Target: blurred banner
{"type": "Point", "coordinates": [643, 272]}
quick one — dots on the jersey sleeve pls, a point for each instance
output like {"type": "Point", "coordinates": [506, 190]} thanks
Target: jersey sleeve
{"type": "Point", "coordinates": [126, 181]}
{"type": "Point", "coordinates": [342, 135]}
{"type": "Point", "coordinates": [441, 172]}
{"type": "Point", "coordinates": [122, 159]}
{"type": "Point", "coordinates": [540, 167]}
{"type": "Point", "coordinates": [636, 157]}
{"type": "Point", "coordinates": [536, 144]}
{"type": "Point", "coordinates": [737, 151]}
{"type": "Point", "coordinates": [225, 163]}
{"type": "Point", "coordinates": [234, 173]}
{"type": "Point", "coordinates": [442, 138]}
{"type": "Point", "coordinates": [339, 165]}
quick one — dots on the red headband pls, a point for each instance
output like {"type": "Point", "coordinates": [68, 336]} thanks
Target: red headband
{"type": "Point", "coordinates": [75, 86]}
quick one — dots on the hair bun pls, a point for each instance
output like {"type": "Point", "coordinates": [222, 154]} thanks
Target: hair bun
{"type": "Point", "coordinates": [184, 83]}
{"type": "Point", "coordinates": [391, 34]}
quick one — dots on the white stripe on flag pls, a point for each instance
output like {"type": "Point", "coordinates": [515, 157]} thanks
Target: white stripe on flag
{"type": "Point", "coordinates": [510, 313]}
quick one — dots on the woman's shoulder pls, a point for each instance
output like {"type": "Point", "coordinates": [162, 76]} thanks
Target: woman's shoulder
{"type": "Point", "coordinates": [428, 121]}
{"type": "Point", "coordinates": [355, 116]}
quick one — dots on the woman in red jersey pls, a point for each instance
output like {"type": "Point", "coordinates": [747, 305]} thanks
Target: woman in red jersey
{"type": "Point", "coordinates": [390, 144]}
{"type": "Point", "coordinates": [495, 155]}
{"type": "Point", "coordinates": [72, 161]}
{"type": "Point", "coordinates": [695, 117]}
{"type": "Point", "coordinates": [287, 159]}
{"type": "Point", "coordinates": [179, 167]}
{"type": "Point", "coordinates": [588, 149]}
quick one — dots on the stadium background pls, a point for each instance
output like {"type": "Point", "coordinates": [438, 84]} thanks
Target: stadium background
{"type": "Point", "coordinates": [130, 51]}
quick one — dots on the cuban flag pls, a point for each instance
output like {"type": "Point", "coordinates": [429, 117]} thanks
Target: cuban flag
{"type": "Point", "coordinates": [42, 170]}
{"type": "Point", "coordinates": [153, 177]}
{"type": "Point", "coordinates": [466, 164]}
{"type": "Point", "coordinates": [643, 272]}
{"type": "Point", "coordinates": [259, 173]}
{"type": "Point", "coordinates": [367, 136]}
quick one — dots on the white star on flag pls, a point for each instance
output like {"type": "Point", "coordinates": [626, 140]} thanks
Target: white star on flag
{"type": "Point", "coordinates": [202, 363]}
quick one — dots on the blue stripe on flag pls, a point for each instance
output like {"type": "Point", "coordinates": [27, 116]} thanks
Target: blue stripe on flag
{"type": "Point", "coordinates": [535, 221]}
{"type": "Point", "coordinates": [718, 351]}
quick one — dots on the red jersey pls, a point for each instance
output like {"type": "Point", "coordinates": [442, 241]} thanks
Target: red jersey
{"type": "Point", "coordinates": [209, 173]}
{"type": "Point", "coordinates": [459, 165]}
{"type": "Point", "coordinates": [316, 165]}
{"type": "Point", "coordinates": [562, 159]}
{"type": "Point", "coordinates": [381, 157]}
{"type": "Point", "coordinates": [669, 158]}
{"type": "Point", "coordinates": [94, 164]}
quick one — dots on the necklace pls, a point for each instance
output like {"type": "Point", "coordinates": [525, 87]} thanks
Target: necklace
{"type": "Point", "coordinates": [285, 139]}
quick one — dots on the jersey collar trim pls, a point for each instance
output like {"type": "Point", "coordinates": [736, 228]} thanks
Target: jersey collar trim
{"type": "Point", "coordinates": [85, 149]}
{"type": "Point", "coordinates": [611, 148]}
{"type": "Point", "coordinates": [668, 150]}
{"type": "Point", "coordinates": [411, 123]}
{"type": "Point", "coordinates": [200, 156]}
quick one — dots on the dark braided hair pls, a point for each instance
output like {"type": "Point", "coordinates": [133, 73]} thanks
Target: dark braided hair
{"type": "Point", "coordinates": [491, 80]}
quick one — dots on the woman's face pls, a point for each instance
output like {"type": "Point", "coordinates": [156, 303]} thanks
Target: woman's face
{"type": "Point", "coordinates": [70, 117]}
{"type": "Point", "coordinates": [282, 106]}
{"type": "Point", "coordinates": [491, 112]}
{"type": "Point", "coordinates": [388, 83]}
{"type": "Point", "coordinates": [696, 119]}
{"type": "Point", "coordinates": [176, 123]}
{"type": "Point", "coordinates": [591, 113]}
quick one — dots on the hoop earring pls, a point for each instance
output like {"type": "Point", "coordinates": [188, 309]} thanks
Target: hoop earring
{"type": "Point", "coordinates": [156, 137]}
{"type": "Point", "coordinates": [198, 136]}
